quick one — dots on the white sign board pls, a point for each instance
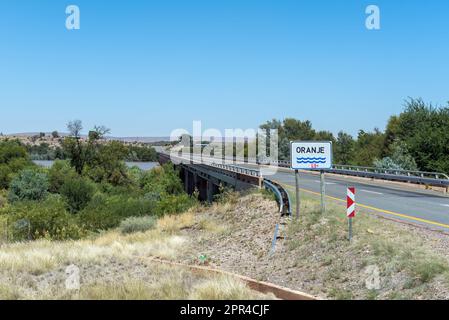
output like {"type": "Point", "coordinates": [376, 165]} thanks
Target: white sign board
{"type": "Point", "coordinates": [306, 155]}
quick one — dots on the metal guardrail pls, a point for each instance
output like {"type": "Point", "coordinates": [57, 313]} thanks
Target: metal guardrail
{"type": "Point", "coordinates": [436, 179]}
{"type": "Point", "coordinates": [237, 169]}
{"type": "Point", "coordinates": [408, 173]}
{"type": "Point", "coordinates": [281, 194]}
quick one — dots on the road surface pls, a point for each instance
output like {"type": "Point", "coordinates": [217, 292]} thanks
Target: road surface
{"type": "Point", "coordinates": [423, 207]}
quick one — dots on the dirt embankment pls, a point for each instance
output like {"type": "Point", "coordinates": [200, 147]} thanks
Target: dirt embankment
{"type": "Point", "coordinates": [386, 260]}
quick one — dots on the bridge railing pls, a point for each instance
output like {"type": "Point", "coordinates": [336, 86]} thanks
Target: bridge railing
{"type": "Point", "coordinates": [417, 177]}
{"type": "Point", "coordinates": [237, 169]}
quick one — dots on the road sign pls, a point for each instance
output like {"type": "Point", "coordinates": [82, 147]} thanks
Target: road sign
{"type": "Point", "coordinates": [307, 155]}
{"type": "Point", "coordinates": [350, 202]}
{"type": "Point", "coordinates": [350, 209]}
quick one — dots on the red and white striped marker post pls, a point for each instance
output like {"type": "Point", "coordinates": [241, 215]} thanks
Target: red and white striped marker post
{"type": "Point", "coordinates": [350, 208]}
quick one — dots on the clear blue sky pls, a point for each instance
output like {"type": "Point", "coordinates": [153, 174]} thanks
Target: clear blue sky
{"type": "Point", "coordinates": [147, 67]}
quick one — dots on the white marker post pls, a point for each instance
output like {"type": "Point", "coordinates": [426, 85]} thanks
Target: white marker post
{"type": "Point", "coordinates": [311, 155]}
{"type": "Point", "coordinates": [350, 208]}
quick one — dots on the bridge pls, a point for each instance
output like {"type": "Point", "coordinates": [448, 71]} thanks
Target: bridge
{"type": "Point", "coordinates": [394, 194]}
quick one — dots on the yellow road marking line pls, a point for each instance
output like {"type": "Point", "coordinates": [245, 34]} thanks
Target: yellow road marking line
{"type": "Point", "coordinates": [383, 211]}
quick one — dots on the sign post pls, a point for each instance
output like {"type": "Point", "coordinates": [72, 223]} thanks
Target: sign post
{"type": "Point", "coordinates": [323, 192]}
{"type": "Point", "coordinates": [350, 207]}
{"type": "Point", "coordinates": [298, 200]}
{"type": "Point", "coordinates": [311, 155]}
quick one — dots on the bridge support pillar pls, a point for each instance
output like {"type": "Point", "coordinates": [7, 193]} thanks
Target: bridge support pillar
{"type": "Point", "coordinates": [210, 191]}
{"type": "Point", "coordinates": [195, 182]}
{"type": "Point", "coordinates": [186, 180]}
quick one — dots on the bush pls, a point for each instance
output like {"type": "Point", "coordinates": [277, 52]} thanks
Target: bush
{"type": "Point", "coordinates": [58, 174]}
{"type": "Point", "coordinates": [12, 149]}
{"type": "Point", "coordinates": [105, 211]}
{"type": "Point", "coordinates": [48, 219]}
{"type": "Point", "coordinates": [5, 176]}
{"type": "Point", "coordinates": [13, 158]}
{"type": "Point", "coordinates": [162, 180]}
{"type": "Point", "coordinates": [29, 185]}
{"type": "Point", "coordinates": [77, 192]}
{"type": "Point", "coordinates": [137, 224]}
{"type": "Point", "coordinates": [170, 204]}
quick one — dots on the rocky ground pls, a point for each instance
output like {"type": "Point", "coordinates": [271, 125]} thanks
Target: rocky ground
{"type": "Point", "coordinates": [386, 260]}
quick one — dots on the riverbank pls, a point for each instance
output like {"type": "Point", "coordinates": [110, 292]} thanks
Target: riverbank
{"type": "Point", "coordinates": [141, 165]}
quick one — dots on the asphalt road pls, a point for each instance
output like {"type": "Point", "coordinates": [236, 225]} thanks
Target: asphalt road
{"type": "Point", "coordinates": [429, 208]}
{"type": "Point", "coordinates": [423, 207]}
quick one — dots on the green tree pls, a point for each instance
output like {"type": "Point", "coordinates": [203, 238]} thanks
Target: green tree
{"type": "Point", "coordinates": [344, 148]}
{"type": "Point", "coordinates": [106, 163]}
{"type": "Point", "coordinates": [369, 146]}
{"type": "Point", "coordinates": [74, 147]}
{"type": "Point", "coordinates": [13, 158]}
{"type": "Point", "coordinates": [424, 129]}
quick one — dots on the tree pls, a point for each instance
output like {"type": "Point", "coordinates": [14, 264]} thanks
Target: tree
{"type": "Point", "coordinates": [289, 130]}
{"type": "Point", "coordinates": [98, 133]}
{"type": "Point", "coordinates": [400, 158]}
{"type": "Point", "coordinates": [368, 147]}
{"type": "Point", "coordinates": [423, 128]}
{"type": "Point", "coordinates": [74, 147]}
{"type": "Point", "coordinates": [13, 158]}
{"type": "Point", "coordinates": [344, 148]}
{"type": "Point", "coordinates": [107, 163]}
{"type": "Point", "coordinates": [75, 128]}
{"type": "Point", "coordinates": [55, 134]}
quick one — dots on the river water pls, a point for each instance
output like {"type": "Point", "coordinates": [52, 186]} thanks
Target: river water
{"type": "Point", "coordinates": [141, 165]}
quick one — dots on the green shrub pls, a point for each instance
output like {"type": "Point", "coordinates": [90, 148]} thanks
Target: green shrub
{"type": "Point", "coordinates": [5, 176]}
{"type": "Point", "coordinates": [12, 149]}
{"type": "Point", "coordinates": [47, 219]}
{"type": "Point", "coordinates": [170, 204]}
{"type": "Point", "coordinates": [136, 175]}
{"type": "Point", "coordinates": [137, 224]}
{"type": "Point", "coordinates": [30, 184]}
{"type": "Point", "coordinates": [59, 173]}
{"type": "Point", "coordinates": [162, 180]}
{"type": "Point", "coordinates": [105, 211]}
{"type": "Point", "coordinates": [77, 192]}
{"type": "Point", "coordinates": [13, 158]}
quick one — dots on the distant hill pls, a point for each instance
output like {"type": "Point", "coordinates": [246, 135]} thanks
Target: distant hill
{"type": "Point", "coordinates": [124, 139]}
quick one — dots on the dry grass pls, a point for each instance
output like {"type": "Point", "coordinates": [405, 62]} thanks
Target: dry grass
{"type": "Point", "coordinates": [410, 264]}
{"type": "Point", "coordinates": [174, 223]}
{"type": "Point", "coordinates": [111, 267]}
{"type": "Point", "coordinates": [43, 255]}
{"type": "Point", "coordinates": [225, 288]}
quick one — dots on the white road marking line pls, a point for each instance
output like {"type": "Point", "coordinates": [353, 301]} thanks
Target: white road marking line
{"type": "Point", "coordinates": [368, 191]}
{"type": "Point", "coordinates": [445, 205]}
{"type": "Point", "coordinates": [328, 183]}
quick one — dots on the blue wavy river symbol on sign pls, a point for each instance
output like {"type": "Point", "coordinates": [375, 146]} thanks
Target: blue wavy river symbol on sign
{"type": "Point", "coordinates": [311, 160]}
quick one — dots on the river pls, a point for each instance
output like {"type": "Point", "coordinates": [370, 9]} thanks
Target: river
{"type": "Point", "coordinates": [141, 165]}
